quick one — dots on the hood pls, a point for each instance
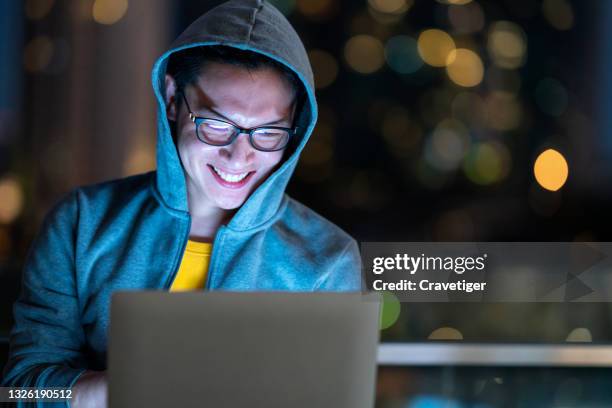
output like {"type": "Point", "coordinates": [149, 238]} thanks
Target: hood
{"type": "Point", "coordinates": [257, 26]}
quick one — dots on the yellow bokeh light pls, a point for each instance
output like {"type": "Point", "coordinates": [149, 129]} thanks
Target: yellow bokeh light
{"type": "Point", "coordinates": [579, 335]}
{"type": "Point", "coordinates": [507, 44]}
{"type": "Point", "coordinates": [324, 66]}
{"type": "Point", "coordinates": [390, 6]}
{"type": "Point", "coordinates": [435, 46]}
{"type": "Point", "coordinates": [38, 53]}
{"type": "Point", "coordinates": [11, 203]}
{"type": "Point", "coordinates": [445, 333]}
{"type": "Point", "coordinates": [558, 13]}
{"type": "Point", "coordinates": [465, 68]}
{"type": "Point", "coordinates": [551, 170]}
{"type": "Point", "coordinates": [364, 53]}
{"type": "Point", "coordinates": [316, 8]}
{"type": "Point", "coordinates": [109, 11]}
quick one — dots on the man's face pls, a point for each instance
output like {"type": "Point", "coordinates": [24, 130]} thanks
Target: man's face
{"type": "Point", "coordinates": [224, 177]}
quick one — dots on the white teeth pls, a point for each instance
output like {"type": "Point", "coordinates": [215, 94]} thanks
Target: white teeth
{"type": "Point", "coordinates": [232, 178]}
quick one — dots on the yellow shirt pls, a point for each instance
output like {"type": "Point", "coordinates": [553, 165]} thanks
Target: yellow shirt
{"type": "Point", "coordinates": [194, 267]}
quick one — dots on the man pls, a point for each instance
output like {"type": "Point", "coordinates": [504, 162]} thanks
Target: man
{"type": "Point", "coordinates": [235, 110]}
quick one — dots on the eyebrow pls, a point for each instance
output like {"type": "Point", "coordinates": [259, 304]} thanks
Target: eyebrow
{"type": "Point", "coordinates": [276, 122]}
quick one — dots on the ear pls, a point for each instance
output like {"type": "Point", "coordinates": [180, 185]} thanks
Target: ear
{"type": "Point", "coordinates": [171, 110]}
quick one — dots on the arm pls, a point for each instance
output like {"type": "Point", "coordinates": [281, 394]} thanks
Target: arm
{"type": "Point", "coordinates": [47, 337]}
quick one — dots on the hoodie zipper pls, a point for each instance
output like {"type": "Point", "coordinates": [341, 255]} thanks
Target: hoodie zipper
{"type": "Point", "coordinates": [177, 265]}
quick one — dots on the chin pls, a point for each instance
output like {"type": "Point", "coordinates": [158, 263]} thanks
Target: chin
{"type": "Point", "coordinates": [230, 205]}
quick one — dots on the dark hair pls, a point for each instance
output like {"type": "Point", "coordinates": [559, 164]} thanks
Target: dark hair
{"type": "Point", "coordinates": [185, 65]}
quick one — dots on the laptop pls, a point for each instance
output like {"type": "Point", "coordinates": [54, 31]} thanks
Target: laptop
{"type": "Point", "coordinates": [243, 349]}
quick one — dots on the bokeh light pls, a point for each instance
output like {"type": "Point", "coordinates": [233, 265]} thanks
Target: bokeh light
{"type": "Point", "coordinates": [435, 46]}
{"type": "Point", "coordinates": [551, 97]}
{"type": "Point", "coordinates": [38, 54]}
{"type": "Point", "coordinates": [465, 68]}
{"type": "Point", "coordinates": [445, 333]}
{"type": "Point", "coordinates": [507, 44]}
{"type": "Point", "coordinates": [390, 6]}
{"type": "Point", "coordinates": [364, 53]}
{"type": "Point", "coordinates": [466, 19]}
{"type": "Point", "coordinates": [402, 54]}
{"type": "Point", "coordinates": [109, 12]}
{"type": "Point", "coordinates": [390, 310]}
{"type": "Point", "coordinates": [388, 11]}
{"type": "Point", "coordinates": [11, 203]}
{"type": "Point", "coordinates": [317, 9]}
{"type": "Point", "coordinates": [580, 335]}
{"type": "Point", "coordinates": [487, 163]}
{"type": "Point", "coordinates": [551, 170]}
{"type": "Point", "coordinates": [558, 13]}
{"type": "Point", "coordinates": [447, 145]}
{"type": "Point", "coordinates": [38, 9]}
{"type": "Point", "coordinates": [325, 67]}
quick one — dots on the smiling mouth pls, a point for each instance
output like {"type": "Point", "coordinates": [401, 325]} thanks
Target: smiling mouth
{"type": "Point", "coordinates": [230, 180]}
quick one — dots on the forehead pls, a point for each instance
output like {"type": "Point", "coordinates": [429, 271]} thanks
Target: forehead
{"type": "Point", "coordinates": [240, 93]}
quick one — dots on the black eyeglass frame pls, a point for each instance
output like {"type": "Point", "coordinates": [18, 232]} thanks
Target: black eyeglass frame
{"type": "Point", "coordinates": [197, 120]}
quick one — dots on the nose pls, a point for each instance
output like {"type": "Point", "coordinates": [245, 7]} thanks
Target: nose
{"type": "Point", "coordinates": [240, 152]}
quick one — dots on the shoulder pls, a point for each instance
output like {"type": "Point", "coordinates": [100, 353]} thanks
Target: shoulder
{"type": "Point", "coordinates": [333, 251]}
{"type": "Point", "coordinates": [101, 200]}
{"type": "Point", "coordinates": [119, 189]}
{"type": "Point", "coordinates": [313, 226]}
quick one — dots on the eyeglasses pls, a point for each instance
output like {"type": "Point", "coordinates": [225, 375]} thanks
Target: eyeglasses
{"type": "Point", "coordinates": [216, 132]}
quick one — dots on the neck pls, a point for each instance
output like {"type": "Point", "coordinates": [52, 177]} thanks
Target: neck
{"type": "Point", "coordinates": [206, 220]}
